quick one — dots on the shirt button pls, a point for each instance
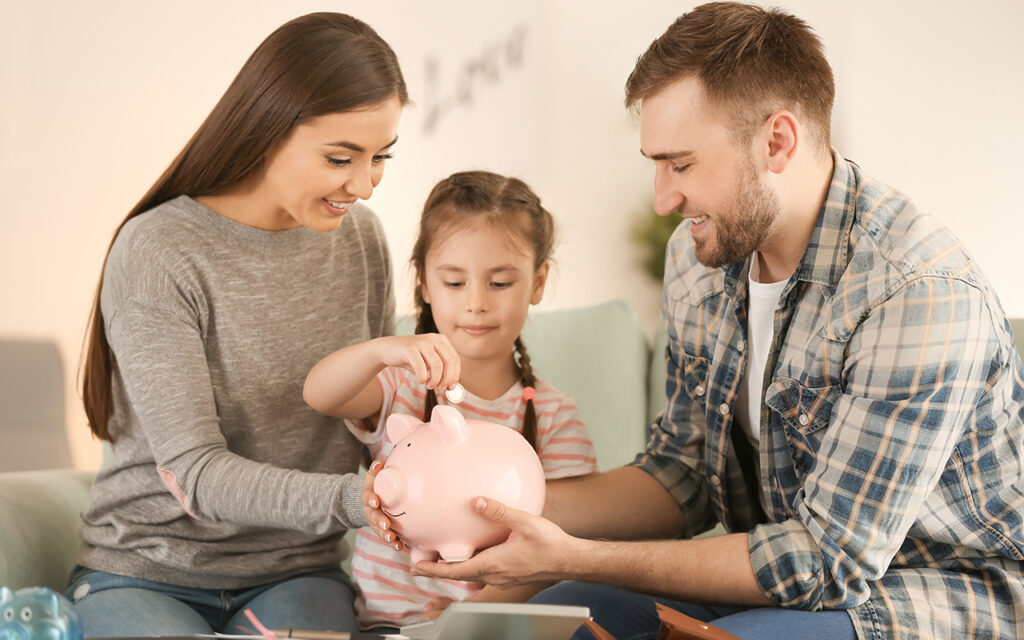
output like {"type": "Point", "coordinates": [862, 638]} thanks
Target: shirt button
{"type": "Point", "coordinates": [804, 420]}
{"type": "Point", "coordinates": [716, 481]}
{"type": "Point", "coordinates": [699, 391]}
{"type": "Point", "coordinates": [740, 346]}
{"type": "Point", "coordinates": [723, 409]}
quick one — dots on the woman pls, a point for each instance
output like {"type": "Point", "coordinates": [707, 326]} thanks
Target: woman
{"type": "Point", "coordinates": [223, 501]}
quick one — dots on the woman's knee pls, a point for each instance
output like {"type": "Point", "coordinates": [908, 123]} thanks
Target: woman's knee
{"type": "Point", "coordinates": [309, 602]}
{"type": "Point", "coordinates": [137, 613]}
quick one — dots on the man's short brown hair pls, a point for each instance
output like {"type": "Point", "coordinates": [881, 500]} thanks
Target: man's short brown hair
{"type": "Point", "coordinates": [751, 62]}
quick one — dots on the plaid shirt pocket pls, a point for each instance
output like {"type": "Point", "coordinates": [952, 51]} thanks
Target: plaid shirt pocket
{"type": "Point", "coordinates": [803, 413]}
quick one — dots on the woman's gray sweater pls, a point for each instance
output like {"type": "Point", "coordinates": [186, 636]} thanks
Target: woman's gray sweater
{"type": "Point", "coordinates": [221, 476]}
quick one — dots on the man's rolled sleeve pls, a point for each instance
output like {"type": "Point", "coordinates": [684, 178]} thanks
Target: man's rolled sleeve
{"type": "Point", "coordinates": [687, 488]}
{"type": "Point", "coordinates": [789, 566]}
{"type": "Point", "coordinates": [674, 453]}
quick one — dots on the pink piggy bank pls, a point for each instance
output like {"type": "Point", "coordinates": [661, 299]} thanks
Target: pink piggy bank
{"type": "Point", "coordinates": [436, 469]}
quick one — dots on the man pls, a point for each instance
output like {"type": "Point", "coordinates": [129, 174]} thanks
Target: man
{"type": "Point", "coordinates": [843, 390]}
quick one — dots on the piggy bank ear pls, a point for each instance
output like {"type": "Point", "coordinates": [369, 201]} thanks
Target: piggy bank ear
{"type": "Point", "coordinates": [5, 594]}
{"type": "Point", "coordinates": [450, 423]}
{"type": "Point", "coordinates": [48, 600]}
{"type": "Point", "coordinates": [400, 425]}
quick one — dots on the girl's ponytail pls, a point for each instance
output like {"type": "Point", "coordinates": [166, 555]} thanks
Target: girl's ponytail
{"type": "Point", "coordinates": [529, 383]}
{"type": "Point", "coordinates": [425, 324]}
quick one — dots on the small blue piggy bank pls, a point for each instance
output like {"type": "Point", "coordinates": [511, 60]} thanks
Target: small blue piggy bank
{"type": "Point", "coordinates": [37, 613]}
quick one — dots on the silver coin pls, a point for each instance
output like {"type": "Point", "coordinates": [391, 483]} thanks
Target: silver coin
{"type": "Point", "coordinates": [456, 394]}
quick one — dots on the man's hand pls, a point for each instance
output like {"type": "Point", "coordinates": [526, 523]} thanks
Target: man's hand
{"type": "Point", "coordinates": [536, 550]}
{"type": "Point", "coordinates": [378, 522]}
{"type": "Point", "coordinates": [716, 569]}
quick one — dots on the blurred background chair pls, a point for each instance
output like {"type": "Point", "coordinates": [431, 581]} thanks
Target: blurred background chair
{"type": "Point", "coordinates": [40, 498]}
{"type": "Point", "coordinates": [32, 421]}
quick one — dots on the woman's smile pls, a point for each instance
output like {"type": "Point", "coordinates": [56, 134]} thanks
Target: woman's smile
{"type": "Point", "coordinates": [339, 208]}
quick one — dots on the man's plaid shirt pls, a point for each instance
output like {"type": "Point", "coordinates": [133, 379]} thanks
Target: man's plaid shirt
{"type": "Point", "coordinates": [892, 428]}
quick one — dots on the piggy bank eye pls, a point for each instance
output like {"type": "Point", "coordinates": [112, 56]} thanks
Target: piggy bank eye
{"type": "Point", "coordinates": [26, 614]}
{"type": "Point", "coordinates": [8, 614]}
{"type": "Point", "coordinates": [408, 444]}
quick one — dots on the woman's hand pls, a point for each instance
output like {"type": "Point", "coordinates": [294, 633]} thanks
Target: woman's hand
{"type": "Point", "coordinates": [378, 522]}
{"type": "Point", "coordinates": [430, 356]}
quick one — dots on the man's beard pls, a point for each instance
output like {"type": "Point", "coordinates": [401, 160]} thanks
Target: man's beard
{"type": "Point", "coordinates": [741, 229]}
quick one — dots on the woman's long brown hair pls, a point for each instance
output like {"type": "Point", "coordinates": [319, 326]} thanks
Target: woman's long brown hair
{"type": "Point", "coordinates": [314, 65]}
{"type": "Point", "coordinates": [502, 201]}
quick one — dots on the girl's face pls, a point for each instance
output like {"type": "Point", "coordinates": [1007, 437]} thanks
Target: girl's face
{"type": "Point", "coordinates": [325, 165]}
{"type": "Point", "coordinates": [480, 285]}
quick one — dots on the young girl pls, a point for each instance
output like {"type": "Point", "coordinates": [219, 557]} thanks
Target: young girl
{"type": "Point", "coordinates": [481, 259]}
{"type": "Point", "coordinates": [224, 495]}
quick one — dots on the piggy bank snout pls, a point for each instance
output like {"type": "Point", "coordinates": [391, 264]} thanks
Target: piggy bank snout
{"type": "Point", "coordinates": [389, 486]}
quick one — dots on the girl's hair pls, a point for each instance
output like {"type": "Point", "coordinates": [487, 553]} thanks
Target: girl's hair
{"type": "Point", "coordinates": [314, 65]}
{"type": "Point", "coordinates": [505, 203]}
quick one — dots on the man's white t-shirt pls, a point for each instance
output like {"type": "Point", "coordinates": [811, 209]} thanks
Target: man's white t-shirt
{"type": "Point", "coordinates": [762, 300]}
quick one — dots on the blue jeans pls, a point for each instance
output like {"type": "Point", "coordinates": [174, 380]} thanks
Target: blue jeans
{"type": "Point", "coordinates": [632, 616]}
{"type": "Point", "coordinates": [112, 605]}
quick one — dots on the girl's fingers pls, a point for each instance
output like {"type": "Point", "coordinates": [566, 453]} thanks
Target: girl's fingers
{"type": "Point", "coordinates": [435, 366]}
{"type": "Point", "coordinates": [451, 362]}
{"type": "Point", "coordinates": [418, 366]}
{"type": "Point", "coordinates": [432, 359]}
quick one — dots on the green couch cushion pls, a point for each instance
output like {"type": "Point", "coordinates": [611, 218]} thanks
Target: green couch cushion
{"type": "Point", "coordinates": [1017, 324]}
{"type": "Point", "coordinates": [39, 516]}
{"type": "Point", "coordinates": [656, 375]}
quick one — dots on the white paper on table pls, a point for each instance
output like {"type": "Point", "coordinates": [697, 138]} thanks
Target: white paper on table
{"type": "Point", "coordinates": [501, 621]}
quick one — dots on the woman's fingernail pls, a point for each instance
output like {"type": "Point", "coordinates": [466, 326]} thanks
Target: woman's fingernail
{"type": "Point", "coordinates": [479, 504]}
{"type": "Point", "coordinates": [373, 502]}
